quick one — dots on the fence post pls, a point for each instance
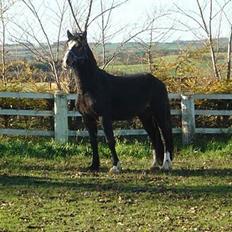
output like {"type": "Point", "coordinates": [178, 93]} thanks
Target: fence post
{"type": "Point", "coordinates": [60, 117]}
{"type": "Point", "coordinates": [188, 118]}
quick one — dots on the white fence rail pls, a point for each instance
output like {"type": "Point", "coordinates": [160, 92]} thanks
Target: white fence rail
{"type": "Point", "coordinates": [60, 113]}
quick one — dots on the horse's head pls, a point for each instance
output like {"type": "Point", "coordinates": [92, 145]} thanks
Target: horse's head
{"type": "Point", "coordinates": [76, 49]}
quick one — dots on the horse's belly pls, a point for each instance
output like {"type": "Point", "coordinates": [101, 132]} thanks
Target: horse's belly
{"type": "Point", "coordinates": [119, 117]}
{"type": "Point", "coordinates": [126, 113]}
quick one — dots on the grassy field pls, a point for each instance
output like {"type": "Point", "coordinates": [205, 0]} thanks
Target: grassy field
{"type": "Point", "coordinates": [171, 62]}
{"type": "Point", "coordinates": [128, 69]}
{"type": "Point", "coordinates": [45, 186]}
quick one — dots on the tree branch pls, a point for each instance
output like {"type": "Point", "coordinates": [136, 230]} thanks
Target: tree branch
{"type": "Point", "coordinates": [88, 15]}
{"type": "Point", "coordinates": [105, 11]}
{"type": "Point", "coordinates": [74, 16]}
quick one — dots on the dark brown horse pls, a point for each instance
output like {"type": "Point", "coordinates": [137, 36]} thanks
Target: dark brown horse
{"type": "Point", "coordinates": [104, 97]}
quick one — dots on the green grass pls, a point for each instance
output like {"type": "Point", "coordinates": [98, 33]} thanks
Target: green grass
{"type": "Point", "coordinates": [45, 186]}
{"type": "Point", "coordinates": [203, 64]}
{"type": "Point", "coordinates": [128, 69]}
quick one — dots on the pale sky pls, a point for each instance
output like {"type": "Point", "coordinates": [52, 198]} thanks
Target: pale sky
{"type": "Point", "coordinates": [130, 16]}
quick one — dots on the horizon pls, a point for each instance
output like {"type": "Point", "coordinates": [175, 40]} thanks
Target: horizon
{"type": "Point", "coordinates": [164, 42]}
{"type": "Point", "coordinates": [125, 12]}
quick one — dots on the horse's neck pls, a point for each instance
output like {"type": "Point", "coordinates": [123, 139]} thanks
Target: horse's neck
{"type": "Point", "coordinates": [86, 79]}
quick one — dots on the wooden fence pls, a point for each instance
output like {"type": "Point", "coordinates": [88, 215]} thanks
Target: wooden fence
{"type": "Point", "coordinates": [186, 111]}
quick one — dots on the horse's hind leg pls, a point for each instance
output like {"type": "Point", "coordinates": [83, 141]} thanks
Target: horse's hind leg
{"type": "Point", "coordinates": [154, 134]}
{"type": "Point", "coordinates": [108, 130]}
{"type": "Point", "coordinates": [163, 120]}
{"type": "Point", "coordinates": [158, 153]}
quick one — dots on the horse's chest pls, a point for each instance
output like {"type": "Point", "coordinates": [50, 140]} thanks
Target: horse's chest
{"type": "Point", "coordinates": [86, 104]}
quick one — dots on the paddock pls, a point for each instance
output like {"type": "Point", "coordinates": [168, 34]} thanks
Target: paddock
{"type": "Point", "coordinates": [45, 187]}
{"type": "Point", "coordinates": [44, 184]}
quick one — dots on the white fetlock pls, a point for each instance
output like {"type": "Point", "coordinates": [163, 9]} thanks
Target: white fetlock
{"type": "Point", "coordinates": [167, 163]}
{"type": "Point", "coordinates": [154, 164]}
{"type": "Point", "coordinates": [116, 169]}
{"type": "Point", "coordinates": [119, 166]}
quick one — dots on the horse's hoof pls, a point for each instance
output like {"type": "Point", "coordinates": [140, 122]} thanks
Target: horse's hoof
{"type": "Point", "coordinates": [154, 168]}
{"type": "Point", "coordinates": [93, 168]}
{"type": "Point", "coordinates": [167, 165]}
{"type": "Point", "coordinates": [116, 169]}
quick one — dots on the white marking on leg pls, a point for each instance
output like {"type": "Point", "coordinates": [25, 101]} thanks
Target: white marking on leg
{"type": "Point", "coordinates": [167, 163]}
{"type": "Point", "coordinates": [116, 169]}
{"type": "Point", "coordinates": [154, 162]}
{"type": "Point", "coordinates": [119, 166]}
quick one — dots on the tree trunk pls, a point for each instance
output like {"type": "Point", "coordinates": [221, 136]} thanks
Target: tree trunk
{"type": "Point", "coordinates": [150, 56]}
{"type": "Point", "coordinates": [150, 61]}
{"type": "Point", "coordinates": [103, 27]}
{"type": "Point", "coordinates": [3, 51]}
{"type": "Point", "coordinates": [229, 55]}
{"type": "Point", "coordinates": [213, 58]}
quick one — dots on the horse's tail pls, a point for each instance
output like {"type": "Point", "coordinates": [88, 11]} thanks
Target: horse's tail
{"type": "Point", "coordinates": [168, 122]}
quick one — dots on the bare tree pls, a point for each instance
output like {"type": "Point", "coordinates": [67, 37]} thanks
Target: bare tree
{"type": "Point", "coordinates": [62, 7]}
{"type": "Point", "coordinates": [4, 8]}
{"type": "Point", "coordinates": [105, 25]}
{"type": "Point", "coordinates": [105, 14]}
{"type": "Point", "coordinates": [229, 46]}
{"type": "Point", "coordinates": [44, 52]}
{"type": "Point", "coordinates": [156, 33]}
{"type": "Point", "coordinates": [206, 23]}
{"type": "Point", "coordinates": [120, 46]}
{"type": "Point", "coordinates": [208, 31]}
{"type": "Point", "coordinates": [108, 31]}
{"type": "Point", "coordinates": [74, 15]}
{"type": "Point", "coordinates": [89, 9]}
{"type": "Point", "coordinates": [229, 55]}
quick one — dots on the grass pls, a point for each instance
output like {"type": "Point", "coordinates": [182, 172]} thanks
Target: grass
{"type": "Point", "coordinates": [44, 186]}
{"type": "Point", "coordinates": [203, 64]}
{"type": "Point", "coordinates": [128, 69]}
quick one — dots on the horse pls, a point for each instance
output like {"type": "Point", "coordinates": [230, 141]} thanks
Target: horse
{"type": "Point", "coordinates": [104, 98]}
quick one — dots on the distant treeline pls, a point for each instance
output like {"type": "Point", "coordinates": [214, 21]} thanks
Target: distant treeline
{"type": "Point", "coordinates": [129, 53]}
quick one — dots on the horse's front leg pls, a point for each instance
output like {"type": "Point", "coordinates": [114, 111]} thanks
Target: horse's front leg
{"type": "Point", "coordinates": [91, 126]}
{"type": "Point", "coordinates": [108, 130]}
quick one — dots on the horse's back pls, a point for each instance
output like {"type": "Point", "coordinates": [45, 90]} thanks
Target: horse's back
{"type": "Point", "coordinates": [131, 95]}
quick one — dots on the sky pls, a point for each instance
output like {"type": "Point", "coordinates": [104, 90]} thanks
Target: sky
{"type": "Point", "coordinates": [125, 20]}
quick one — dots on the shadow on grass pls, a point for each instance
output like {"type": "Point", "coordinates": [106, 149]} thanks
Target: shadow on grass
{"type": "Point", "coordinates": [224, 172]}
{"type": "Point", "coordinates": [112, 185]}
{"type": "Point", "coordinates": [214, 172]}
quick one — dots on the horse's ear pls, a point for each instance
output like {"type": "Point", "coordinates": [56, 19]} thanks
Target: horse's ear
{"type": "Point", "coordinates": [69, 35]}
